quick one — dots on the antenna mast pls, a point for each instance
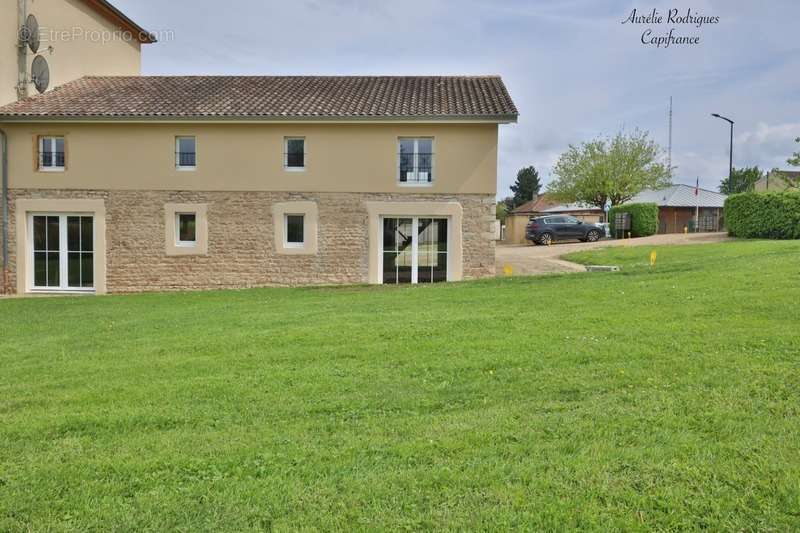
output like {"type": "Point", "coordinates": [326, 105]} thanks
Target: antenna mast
{"type": "Point", "coordinates": [669, 149]}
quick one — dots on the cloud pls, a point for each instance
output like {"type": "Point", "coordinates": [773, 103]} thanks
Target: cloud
{"type": "Point", "coordinates": [771, 144]}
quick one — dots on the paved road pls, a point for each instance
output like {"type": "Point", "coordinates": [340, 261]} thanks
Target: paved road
{"type": "Point", "coordinates": [531, 260]}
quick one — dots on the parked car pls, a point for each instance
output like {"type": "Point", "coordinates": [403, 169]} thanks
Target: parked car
{"type": "Point", "coordinates": [552, 228]}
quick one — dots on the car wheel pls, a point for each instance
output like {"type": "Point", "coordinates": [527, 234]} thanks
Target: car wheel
{"type": "Point", "coordinates": [545, 238]}
{"type": "Point", "coordinates": [593, 236]}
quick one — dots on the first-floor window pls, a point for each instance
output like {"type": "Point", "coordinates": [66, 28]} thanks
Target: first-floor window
{"type": "Point", "coordinates": [414, 249]}
{"type": "Point", "coordinates": [62, 251]}
{"type": "Point", "coordinates": [186, 227]}
{"type": "Point", "coordinates": [185, 153]}
{"type": "Point", "coordinates": [416, 161]}
{"type": "Point", "coordinates": [294, 231]}
{"type": "Point", "coordinates": [51, 153]}
{"type": "Point", "coordinates": [295, 154]}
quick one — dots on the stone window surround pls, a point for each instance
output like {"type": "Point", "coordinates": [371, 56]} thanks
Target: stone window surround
{"type": "Point", "coordinates": [94, 207]}
{"type": "Point", "coordinates": [452, 210]}
{"type": "Point", "coordinates": [310, 226]}
{"type": "Point", "coordinates": [171, 232]}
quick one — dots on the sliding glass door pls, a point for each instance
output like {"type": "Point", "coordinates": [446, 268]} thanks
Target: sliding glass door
{"type": "Point", "coordinates": [414, 249]}
{"type": "Point", "coordinates": [62, 251]}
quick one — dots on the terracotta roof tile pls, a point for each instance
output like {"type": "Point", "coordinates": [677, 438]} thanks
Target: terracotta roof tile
{"type": "Point", "coordinates": [304, 97]}
{"type": "Point", "coordinates": [539, 205]}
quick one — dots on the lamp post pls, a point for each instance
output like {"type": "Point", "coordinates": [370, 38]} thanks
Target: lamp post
{"type": "Point", "coordinates": [730, 166]}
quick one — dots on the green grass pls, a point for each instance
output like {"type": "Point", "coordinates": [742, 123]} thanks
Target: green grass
{"type": "Point", "coordinates": [664, 398]}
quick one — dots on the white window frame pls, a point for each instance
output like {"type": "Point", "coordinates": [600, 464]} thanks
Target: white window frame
{"type": "Point", "coordinates": [41, 154]}
{"type": "Point", "coordinates": [416, 182]}
{"type": "Point", "coordinates": [178, 241]}
{"type": "Point", "coordinates": [415, 245]}
{"type": "Point", "coordinates": [63, 253]}
{"type": "Point", "coordinates": [286, 243]}
{"type": "Point", "coordinates": [286, 166]}
{"type": "Point", "coordinates": [178, 166]}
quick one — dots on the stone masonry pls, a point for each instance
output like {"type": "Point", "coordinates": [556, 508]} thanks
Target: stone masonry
{"type": "Point", "coordinates": [241, 251]}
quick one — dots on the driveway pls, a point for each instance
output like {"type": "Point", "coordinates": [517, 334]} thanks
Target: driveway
{"type": "Point", "coordinates": [532, 260]}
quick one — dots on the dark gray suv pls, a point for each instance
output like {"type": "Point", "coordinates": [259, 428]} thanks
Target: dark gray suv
{"type": "Point", "coordinates": [552, 228]}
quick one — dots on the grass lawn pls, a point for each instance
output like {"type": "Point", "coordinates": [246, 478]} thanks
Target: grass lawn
{"type": "Point", "coordinates": [665, 398]}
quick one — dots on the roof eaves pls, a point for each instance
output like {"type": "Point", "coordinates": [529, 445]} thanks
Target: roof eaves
{"type": "Point", "coordinates": [115, 15]}
{"type": "Point", "coordinates": [30, 117]}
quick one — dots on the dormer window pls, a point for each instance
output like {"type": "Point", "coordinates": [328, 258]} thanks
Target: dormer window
{"type": "Point", "coordinates": [185, 153]}
{"type": "Point", "coordinates": [51, 154]}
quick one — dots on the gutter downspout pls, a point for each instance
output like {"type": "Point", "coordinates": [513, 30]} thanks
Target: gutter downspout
{"type": "Point", "coordinates": [6, 270]}
{"type": "Point", "coordinates": [22, 53]}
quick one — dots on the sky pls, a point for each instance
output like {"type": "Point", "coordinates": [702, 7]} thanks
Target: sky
{"type": "Point", "coordinates": [573, 68]}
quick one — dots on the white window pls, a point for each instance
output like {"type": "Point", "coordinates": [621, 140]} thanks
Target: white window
{"type": "Point", "coordinates": [62, 251]}
{"type": "Point", "coordinates": [51, 154]}
{"type": "Point", "coordinates": [294, 153]}
{"type": "Point", "coordinates": [415, 249]}
{"type": "Point", "coordinates": [186, 229]}
{"type": "Point", "coordinates": [415, 160]}
{"type": "Point", "coordinates": [185, 153]}
{"type": "Point", "coordinates": [294, 231]}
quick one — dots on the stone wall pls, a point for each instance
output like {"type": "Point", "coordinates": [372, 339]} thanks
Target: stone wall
{"type": "Point", "coordinates": [241, 251]}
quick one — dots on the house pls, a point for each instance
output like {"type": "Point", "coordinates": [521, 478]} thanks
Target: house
{"type": "Point", "coordinates": [779, 181]}
{"type": "Point", "coordinates": [678, 206]}
{"type": "Point", "coordinates": [121, 183]}
{"type": "Point", "coordinates": [132, 183]}
{"type": "Point", "coordinates": [544, 204]}
{"type": "Point", "coordinates": [587, 213]}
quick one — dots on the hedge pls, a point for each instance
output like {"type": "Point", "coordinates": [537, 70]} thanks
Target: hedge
{"type": "Point", "coordinates": [644, 218]}
{"type": "Point", "coordinates": [765, 215]}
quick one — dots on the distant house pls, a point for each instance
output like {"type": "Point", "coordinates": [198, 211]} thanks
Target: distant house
{"type": "Point", "coordinates": [778, 181]}
{"type": "Point", "coordinates": [544, 204]}
{"type": "Point", "coordinates": [587, 213]}
{"type": "Point", "coordinates": [678, 205]}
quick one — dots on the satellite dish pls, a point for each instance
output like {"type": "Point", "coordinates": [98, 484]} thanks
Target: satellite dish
{"type": "Point", "coordinates": [30, 33]}
{"type": "Point", "coordinates": [40, 73]}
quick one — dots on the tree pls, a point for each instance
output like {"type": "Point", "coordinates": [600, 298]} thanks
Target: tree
{"type": "Point", "coordinates": [612, 170]}
{"type": "Point", "coordinates": [526, 186]}
{"type": "Point", "coordinates": [503, 207]}
{"type": "Point", "coordinates": [795, 159]}
{"type": "Point", "coordinates": [741, 180]}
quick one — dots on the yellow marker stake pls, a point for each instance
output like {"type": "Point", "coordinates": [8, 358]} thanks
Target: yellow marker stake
{"type": "Point", "coordinates": [508, 270]}
{"type": "Point", "coordinates": [653, 258]}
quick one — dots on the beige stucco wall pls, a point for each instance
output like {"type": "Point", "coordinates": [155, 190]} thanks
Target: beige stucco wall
{"type": "Point", "coordinates": [76, 36]}
{"type": "Point", "coordinates": [515, 229]}
{"type": "Point", "coordinates": [241, 236]}
{"type": "Point", "coordinates": [8, 50]}
{"type": "Point", "coordinates": [249, 157]}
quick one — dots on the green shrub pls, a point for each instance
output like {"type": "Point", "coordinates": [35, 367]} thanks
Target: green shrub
{"type": "Point", "coordinates": [644, 218]}
{"type": "Point", "coordinates": [770, 215]}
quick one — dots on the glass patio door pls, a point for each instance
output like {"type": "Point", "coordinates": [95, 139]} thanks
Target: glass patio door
{"type": "Point", "coordinates": [414, 249]}
{"type": "Point", "coordinates": [62, 251]}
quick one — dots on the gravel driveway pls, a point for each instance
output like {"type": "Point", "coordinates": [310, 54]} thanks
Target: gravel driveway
{"type": "Point", "coordinates": [532, 260]}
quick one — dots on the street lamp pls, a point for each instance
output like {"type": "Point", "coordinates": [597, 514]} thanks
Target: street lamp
{"type": "Point", "coordinates": [730, 169]}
